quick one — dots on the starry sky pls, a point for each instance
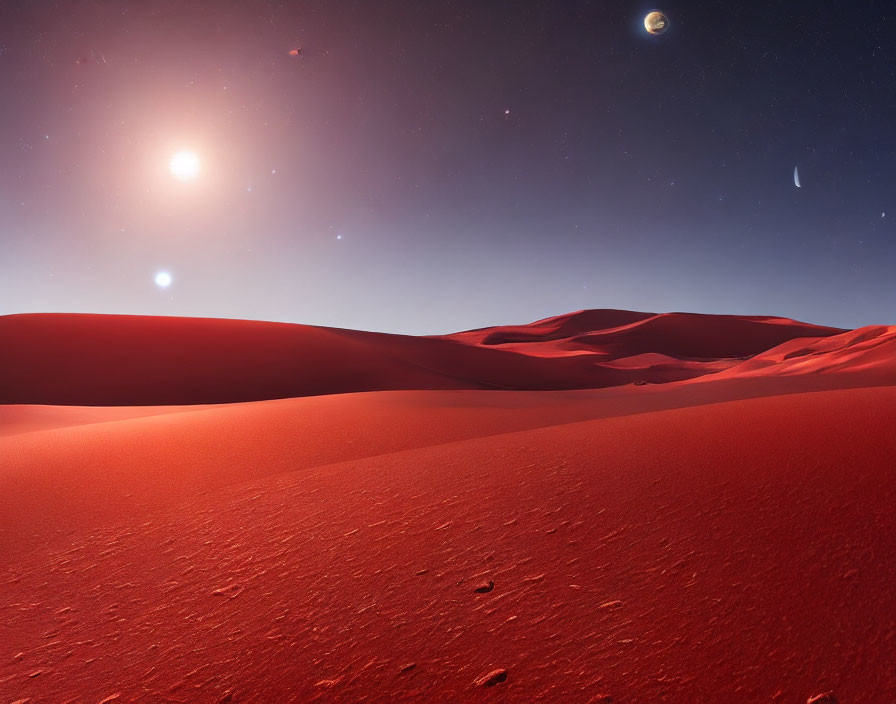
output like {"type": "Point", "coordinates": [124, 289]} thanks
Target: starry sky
{"type": "Point", "coordinates": [426, 167]}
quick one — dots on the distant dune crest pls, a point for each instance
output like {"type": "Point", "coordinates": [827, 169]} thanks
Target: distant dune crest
{"type": "Point", "coordinates": [71, 359]}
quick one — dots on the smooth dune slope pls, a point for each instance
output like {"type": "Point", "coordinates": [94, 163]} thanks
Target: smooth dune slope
{"type": "Point", "coordinates": [54, 456]}
{"type": "Point", "coordinates": [134, 360]}
{"type": "Point", "coordinates": [23, 418]}
{"type": "Point", "coordinates": [739, 551]}
{"type": "Point", "coordinates": [869, 352]}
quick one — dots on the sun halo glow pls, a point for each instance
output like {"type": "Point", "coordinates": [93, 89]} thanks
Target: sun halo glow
{"type": "Point", "coordinates": [185, 166]}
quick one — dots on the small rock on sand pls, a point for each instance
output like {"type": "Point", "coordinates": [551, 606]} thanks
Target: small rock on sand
{"type": "Point", "coordinates": [823, 698]}
{"type": "Point", "coordinates": [492, 678]}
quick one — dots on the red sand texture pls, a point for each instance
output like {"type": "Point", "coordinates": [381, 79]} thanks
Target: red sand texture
{"type": "Point", "coordinates": [729, 537]}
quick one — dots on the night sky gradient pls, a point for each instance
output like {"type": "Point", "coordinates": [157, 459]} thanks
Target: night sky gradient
{"type": "Point", "coordinates": [378, 182]}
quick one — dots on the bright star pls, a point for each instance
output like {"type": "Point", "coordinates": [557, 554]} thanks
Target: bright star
{"type": "Point", "coordinates": [185, 166]}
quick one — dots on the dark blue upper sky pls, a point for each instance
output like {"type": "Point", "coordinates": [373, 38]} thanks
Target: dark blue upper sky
{"type": "Point", "coordinates": [426, 167]}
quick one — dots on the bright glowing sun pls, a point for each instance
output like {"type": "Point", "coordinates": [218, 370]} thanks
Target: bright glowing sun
{"type": "Point", "coordinates": [184, 166]}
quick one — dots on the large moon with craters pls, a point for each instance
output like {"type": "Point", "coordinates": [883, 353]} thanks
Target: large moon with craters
{"type": "Point", "coordinates": [656, 22]}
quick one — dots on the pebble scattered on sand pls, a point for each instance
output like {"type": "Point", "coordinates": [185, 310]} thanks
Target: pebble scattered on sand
{"type": "Point", "coordinates": [327, 684]}
{"type": "Point", "coordinates": [823, 698]}
{"type": "Point", "coordinates": [230, 590]}
{"type": "Point", "coordinates": [492, 678]}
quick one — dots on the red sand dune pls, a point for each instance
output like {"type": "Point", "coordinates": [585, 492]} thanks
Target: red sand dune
{"type": "Point", "coordinates": [869, 352]}
{"type": "Point", "coordinates": [733, 552]}
{"type": "Point", "coordinates": [134, 360]}
{"type": "Point", "coordinates": [724, 539]}
{"type": "Point", "coordinates": [612, 334]}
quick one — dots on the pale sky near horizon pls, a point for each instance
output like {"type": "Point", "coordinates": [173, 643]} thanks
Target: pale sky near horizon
{"type": "Point", "coordinates": [431, 167]}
